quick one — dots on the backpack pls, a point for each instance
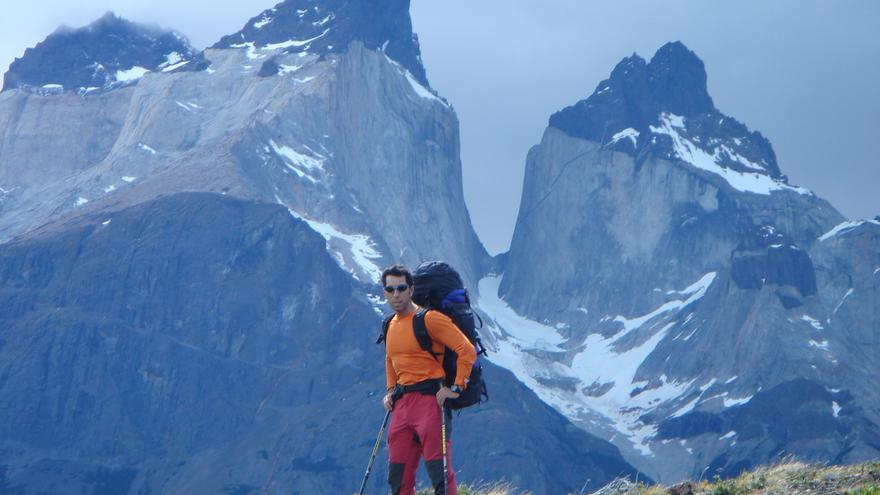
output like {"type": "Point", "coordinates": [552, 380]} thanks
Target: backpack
{"type": "Point", "coordinates": [439, 287]}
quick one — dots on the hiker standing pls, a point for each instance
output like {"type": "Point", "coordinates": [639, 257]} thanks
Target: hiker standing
{"type": "Point", "coordinates": [415, 388]}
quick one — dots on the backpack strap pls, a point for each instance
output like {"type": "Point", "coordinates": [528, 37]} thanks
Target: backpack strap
{"type": "Point", "coordinates": [385, 323]}
{"type": "Point", "coordinates": [420, 328]}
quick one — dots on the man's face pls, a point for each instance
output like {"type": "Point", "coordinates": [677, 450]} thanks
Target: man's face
{"type": "Point", "coordinates": [401, 295]}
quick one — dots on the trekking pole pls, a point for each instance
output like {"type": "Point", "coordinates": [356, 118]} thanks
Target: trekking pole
{"type": "Point", "coordinates": [375, 451]}
{"type": "Point", "coordinates": [443, 439]}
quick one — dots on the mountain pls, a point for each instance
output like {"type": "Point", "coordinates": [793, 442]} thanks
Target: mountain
{"type": "Point", "coordinates": [107, 53]}
{"type": "Point", "coordinates": [669, 289]}
{"type": "Point", "coordinates": [350, 140]}
{"type": "Point", "coordinates": [330, 26]}
{"type": "Point", "coordinates": [132, 364]}
{"type": "Point", "coordinates": [188, 285]}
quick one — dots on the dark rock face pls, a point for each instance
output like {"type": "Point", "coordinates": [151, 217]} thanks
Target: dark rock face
{"type": "Point", "coordinates": [816, 421]}
{"type": "Point", "coordinates": [328, 26]}
{"type": "Point", "coordinates": [202, 344]}
{"type": "Point", "coordinates": [625, 110]}
{"type": "Point", "coordinates": [769, 257]}
{"type": "Point", "coordinates": [91, 58]}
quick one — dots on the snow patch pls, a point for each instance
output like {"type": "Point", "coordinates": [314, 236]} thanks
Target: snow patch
{"type": "Point", "coordinates": [844, 227]}
{"type": "Point", "coordinates": [105, 222]}
{"type": "Point", "coordinates": [287, 69]}
{"type": "Point", "coordinates": [835, 409]}
{"type": "Point", "coordinates": [146, 148]}
{"type": "Point", "coordinates": [129, 179]}
{"type": "Point", "coordinates": [187, 105]}
{"type": "Point", "coordinates": [842, 300]}
{"type": "Point", "coordinates": [109, 188]}
{"type": "Point", "coordinates": [629, 132]}
{"type": "Point", "coordinates": [696, 291]}
{"type": "Point", "coordinates": [296, 161]}
{"type": "Point", "coordinates": [821, 345]}
{"type": "Point", "coordinates": [360, 247]}
{"type": "Point", "coordinates": [266, 19]}
{"type": "Point", "coordinates": [812, 321]}
{"type": "Point", "coordinates": [81, 201]}
{"type": "Point", "coordinates": [420, 90]}
{"type": "Point", "coordinates": [132, 74]}
{"type": "Point", "coordinates": [689, 152]}
{"type": "Point", "coordinates": [729, 434]}
{"type": "Point", "coordinates": [730, 402]}
{"type": "Point", "coordinates": [173, 60]}
{"type": "Point", "coordinates": [324, 20]}
{"type": "Point", "coordinates": [377, 303]}
{"type": "Point", "coordinates": [293, 43]}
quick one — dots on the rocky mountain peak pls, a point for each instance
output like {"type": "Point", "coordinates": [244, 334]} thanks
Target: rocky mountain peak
{"type": "Point", "coordinates": [678, 80]}
{"type": "Point", "coordinates": [107, 53]}
{"type": "Point", "coordinates": [328, 26]}
{"type": "Point", "coordinates": [662, 108]}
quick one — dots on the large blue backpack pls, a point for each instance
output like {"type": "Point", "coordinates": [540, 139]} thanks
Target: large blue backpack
{"type": "Point", "coordinates": [438, 287]}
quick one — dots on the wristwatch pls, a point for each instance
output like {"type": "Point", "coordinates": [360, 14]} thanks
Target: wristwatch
{"type": "Point", "coordinates": [455, 389]}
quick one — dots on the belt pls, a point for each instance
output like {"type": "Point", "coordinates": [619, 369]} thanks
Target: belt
{"type": "Point", "coordinates": [425, 387]}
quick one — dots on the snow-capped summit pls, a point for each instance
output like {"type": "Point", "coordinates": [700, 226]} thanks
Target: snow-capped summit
{"type": "Point", "coordinates": [109, 52]}
{"type": "Point", "coordinates": [663, 108]}
{"type": "Point", "coordinates": [328, 26]}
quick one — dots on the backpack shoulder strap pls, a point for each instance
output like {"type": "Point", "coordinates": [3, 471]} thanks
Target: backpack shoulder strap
{"type": "Point", "coordinates": [420, 328]}
{"type": "Point", "coordinates": [385, 323]}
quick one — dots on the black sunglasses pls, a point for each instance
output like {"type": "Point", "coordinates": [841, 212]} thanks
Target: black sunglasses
{"type": "Point", "coordinates": [400, 288]}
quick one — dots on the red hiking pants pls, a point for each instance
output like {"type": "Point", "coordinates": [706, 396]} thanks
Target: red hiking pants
{"type": "Point", "coordinates": [414, 433]}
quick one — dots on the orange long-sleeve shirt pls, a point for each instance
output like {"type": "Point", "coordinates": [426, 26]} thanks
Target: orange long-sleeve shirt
{"type": "Point", "coordinates": [406, 363]}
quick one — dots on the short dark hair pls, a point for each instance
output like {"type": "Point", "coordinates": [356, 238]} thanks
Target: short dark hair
{"type": "Point", "coordinates": [398, 270]}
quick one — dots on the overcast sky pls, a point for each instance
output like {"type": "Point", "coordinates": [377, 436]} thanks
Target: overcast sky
{"type": "Point", "coordinates": [805, 73]}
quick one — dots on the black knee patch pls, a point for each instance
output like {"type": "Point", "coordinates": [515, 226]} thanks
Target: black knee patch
{"type": "Point", "coordinates": [438, 477]}
{"type": "Point", "coordinates": [395, 477]}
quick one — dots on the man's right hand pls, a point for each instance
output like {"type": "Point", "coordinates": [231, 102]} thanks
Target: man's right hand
{"type": "Point", "coordinates": [387, 402]}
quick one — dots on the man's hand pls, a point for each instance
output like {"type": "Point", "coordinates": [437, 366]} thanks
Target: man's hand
{"type": "Point", "coordinates": [445, 393]}
{"type": "Point", "coordinates": [387, 402]}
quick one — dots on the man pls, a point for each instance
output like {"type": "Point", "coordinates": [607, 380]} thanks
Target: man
{"type": "Point", "coordinates": [418, 375]}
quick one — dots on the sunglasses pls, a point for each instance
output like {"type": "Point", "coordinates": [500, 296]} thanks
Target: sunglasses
{"type": "Point", "coordinates": [399, 288]}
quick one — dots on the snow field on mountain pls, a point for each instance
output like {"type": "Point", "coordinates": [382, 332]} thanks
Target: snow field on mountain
{"type": "Point", "coordinates": [359, 247]}
{"type": "Point", "coordinates": [523, 346]}
{"type": "Point", "coordinates": [132, 74]}
{"type": "Point", "coordinates": [296, 161]}
{"type": "Point", "coordinates": [689, 152]}
{"type": "Point", "coordinates": [845, 227]}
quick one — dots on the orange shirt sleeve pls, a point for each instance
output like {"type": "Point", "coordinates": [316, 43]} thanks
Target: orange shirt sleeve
{"type": "Point", "coordinates": [441, 329]}
{"type": "Point", "coordinates": [390, 374]}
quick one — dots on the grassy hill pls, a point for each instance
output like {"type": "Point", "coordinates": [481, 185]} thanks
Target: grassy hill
{"type": "Point", "coordinates": [785, 478]}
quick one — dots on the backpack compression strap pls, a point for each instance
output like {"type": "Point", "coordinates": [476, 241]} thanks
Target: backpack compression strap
{"type": "Point", "coordinates": [421, 331]}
